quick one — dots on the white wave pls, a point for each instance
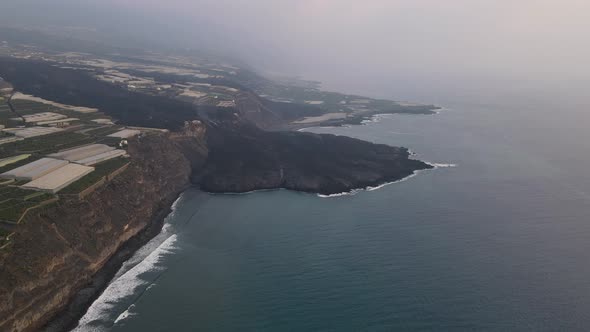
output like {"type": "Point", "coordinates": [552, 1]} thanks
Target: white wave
{"type": "Point", "coordinates": [437, 165]}
{"type": "Point", "coordinates": [153, 244]}
{"type": "Point", "coordinates": [356, 191]}
{"type": "Point", "coordinates": [174, 205]}
{"type": "Point", "coordinates": [126, 314]}
{"type": "Point", "coordinates": [248, 192]}
{"type": "Point", "coordinates": [393, 182]}
{"type": "Point", "coordinates": [124, 287]}
{"type": "Point", "coordinates": [401, 133]}
{"type": "Point", "coordinates": [441, 110]}
{"type": "Point", "coordinates": [308, 129]}
{"type": "Point", "coordinates": [376, 118]}
{"type": "Point", "coordinates": [346, 193]}
{"type": "Point", "coordinates": [369, 188]}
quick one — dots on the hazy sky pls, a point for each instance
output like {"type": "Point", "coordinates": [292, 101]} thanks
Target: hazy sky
{"type": "Point", "coordinates": [339, 40]}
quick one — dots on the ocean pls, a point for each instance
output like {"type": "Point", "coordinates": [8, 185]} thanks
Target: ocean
{"type": "Point", "coordinates": [498, 239]}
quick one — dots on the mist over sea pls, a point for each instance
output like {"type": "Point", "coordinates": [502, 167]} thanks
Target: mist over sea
{"type": "Point", "coordinates": [498, 242]}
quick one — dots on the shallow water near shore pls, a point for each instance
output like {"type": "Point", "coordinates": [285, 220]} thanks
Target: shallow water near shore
{"type": "Point", "coordinates": [498, 242]}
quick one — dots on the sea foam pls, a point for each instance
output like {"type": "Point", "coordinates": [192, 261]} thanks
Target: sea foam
{"type": "Point", "coordinates": [356, 191]}
{"type": "Point", "coordinates": [436, 165]}
{"type": "Point", "coordinates": [124, 287]}
{"type": "Point", "coordinates": [126, 314]}
{"type": "Point", "coordinates": [369, 188]}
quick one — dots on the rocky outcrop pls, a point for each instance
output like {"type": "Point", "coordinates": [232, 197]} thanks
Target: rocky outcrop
{"type": "Point", "coordinates": [56, 251]}
{"type": "Point", "coordinates": [243, 158]}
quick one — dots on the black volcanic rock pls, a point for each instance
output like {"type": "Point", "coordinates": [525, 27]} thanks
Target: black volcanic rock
{"type": "Point", "coordinates": [77, 87]}
{"type": "Point", "coordinates": [243, 158]}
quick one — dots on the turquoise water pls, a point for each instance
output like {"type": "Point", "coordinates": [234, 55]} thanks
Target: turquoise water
{"type": "Point", "coordinates": [498, 242]}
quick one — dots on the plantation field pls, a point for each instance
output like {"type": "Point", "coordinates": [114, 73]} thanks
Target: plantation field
{"type": "Point", "coordinates": [101, 170]}
{"type": "Point", "coordinates": [15, 201]}
{"type": "Point", "coordinates": [104, 131]}
{"type": "Point", "coordinates": [26, 107]}
{"type": "Point", "coordinates": [45, 144]}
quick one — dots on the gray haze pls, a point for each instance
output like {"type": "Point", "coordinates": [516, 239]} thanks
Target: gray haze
{"type": "Point", "coordinates": [353, 45]}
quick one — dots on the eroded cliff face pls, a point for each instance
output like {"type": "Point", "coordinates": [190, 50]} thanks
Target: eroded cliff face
{"type": "Point", "coordinates": [57, 250]}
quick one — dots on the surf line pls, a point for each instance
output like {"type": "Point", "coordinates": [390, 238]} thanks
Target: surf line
{"type": "Point", "coordinates": [371, 188]}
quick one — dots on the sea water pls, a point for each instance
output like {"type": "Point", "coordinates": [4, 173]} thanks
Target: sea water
{"type": "Point", "coordinates": [499, 241]}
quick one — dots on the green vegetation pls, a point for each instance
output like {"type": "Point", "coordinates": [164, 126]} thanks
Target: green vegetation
{"type": "Point", "coordinates": [110, 141]}
{"type": "Point", "coordinates": [6, 182]}
{"type": "Point", "coordinates": [15, 201]}
{"type": "Point", "coordinates": [45, 144]}
{"type": "Point", "coordinates": [104, 131]}
{"type": "Point", "coordinates": [24, 107]}
{"type": "Point", "coordinates": [75, 87]}
{"type": "Point", "coordinates": [14, 159]}
{"type": "Point", "coordinates": [9, 192]}
{"type": "Point", "coordinates": [101, 170]}
{"type": "Point", "coordinates": [19, 163]}
{"type": "Point", "coordinates": [7, 116]}
{"type": "Point", "coordinates": [3, 238]}
{"type": "Point", "coordinates": [3, 234]}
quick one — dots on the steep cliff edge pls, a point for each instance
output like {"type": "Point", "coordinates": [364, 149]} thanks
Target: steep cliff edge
{"type": "Point", "coordinates": [57, 250]}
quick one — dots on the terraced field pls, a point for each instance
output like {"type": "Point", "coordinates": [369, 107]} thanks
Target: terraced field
{"type": "Point", "coordinates": [45, 144]}
{"type": "Point", "coordinates": [26, 107]}
{"type": "Point", "coordinates": [103, 131]}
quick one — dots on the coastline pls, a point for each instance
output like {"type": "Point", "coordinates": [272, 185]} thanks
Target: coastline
{"type": "Point", "coordinates": [367, 119]}
{"type": "Point", "coordinates": [67, 319]}
{"type": "Point", "coordinates": [374, 119]}
{"type": "Point", "coordinates": [78, 306]}
{"type": "Point", "coordinates": [373, 188]}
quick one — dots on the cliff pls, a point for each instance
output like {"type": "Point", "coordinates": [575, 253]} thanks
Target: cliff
{"type": "Point", "coordinates": [57, 251]}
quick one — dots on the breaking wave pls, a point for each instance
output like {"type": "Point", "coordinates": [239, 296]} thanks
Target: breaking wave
{"type": "Point", "coordinates": [124, 287]}
{"type": "Point", "coordinates": [356, 191]}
